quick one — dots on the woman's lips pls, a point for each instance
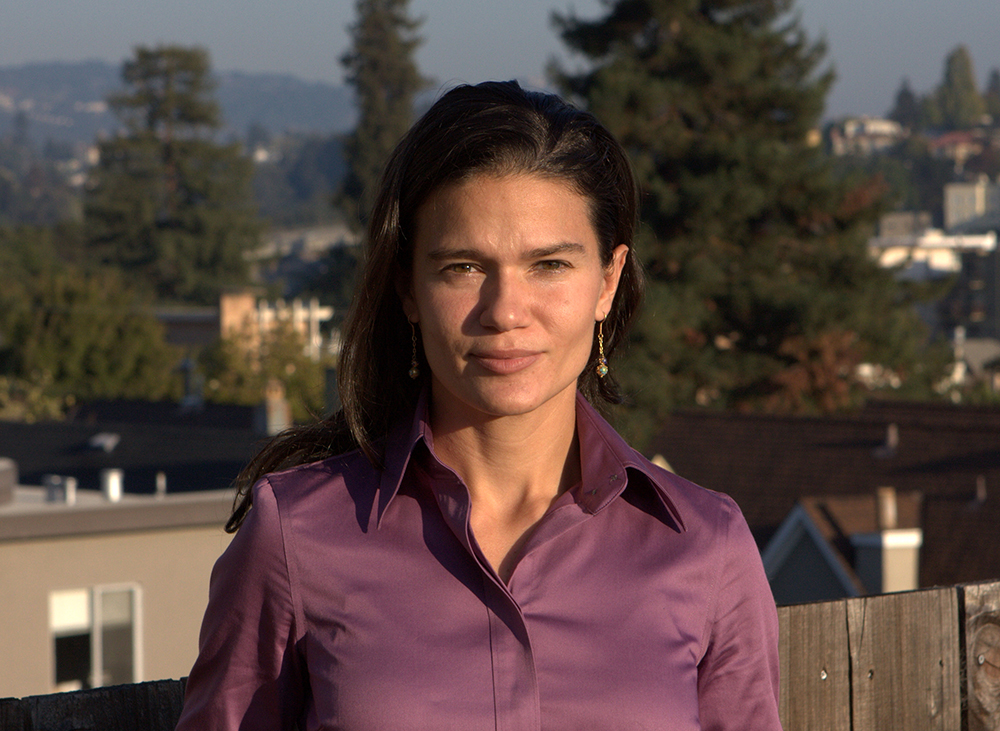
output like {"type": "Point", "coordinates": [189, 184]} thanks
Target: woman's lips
{"type": "Point", "coordinates": [504, 361]}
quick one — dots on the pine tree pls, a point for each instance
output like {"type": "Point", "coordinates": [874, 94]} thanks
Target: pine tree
{"type": "Point", "coordinates": [761, 292]}
{"type": "Point", "coordinates": [385, 78]}
{"type": "Point", "coordinates": [957, 99]}
{"type": "Point", "coordinates": [167, 203]}
{"type": "Point", "coordinates": [907, 110]}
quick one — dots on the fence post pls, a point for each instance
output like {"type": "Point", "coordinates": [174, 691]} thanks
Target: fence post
{"type": "Point", "coordinates": [815, 667]}
{"type": "Point", "coordinates": [905, 661]}
{"type": "Point", "coordinates": [981, 605]}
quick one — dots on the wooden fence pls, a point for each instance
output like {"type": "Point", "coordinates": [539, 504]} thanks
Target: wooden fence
{"type": "Point", "coordinates": [152, 706]}
{"type": "Point", "coordinates": [913, 661]}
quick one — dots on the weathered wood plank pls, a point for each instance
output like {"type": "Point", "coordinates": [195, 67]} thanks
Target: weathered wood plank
{"type": "Point", "coordinates": [13, 715]}
{"type": "Point", "coordinates": [815, 667]}
{"type": "Point", "coordinates": [981, 604]}
{"type": "Point", "coordinates": [905, 661]}
{"type": "Point", "coordinates": [153, 706]}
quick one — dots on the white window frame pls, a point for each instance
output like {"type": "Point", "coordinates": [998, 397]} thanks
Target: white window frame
{"type": "Point", "coordinates": [96, 629]}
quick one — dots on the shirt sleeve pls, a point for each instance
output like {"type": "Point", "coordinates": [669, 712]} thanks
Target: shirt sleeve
{"type": "Point", "coordinates": [248, 674]}
{"type": "Point", "coordinates": [738, 676]}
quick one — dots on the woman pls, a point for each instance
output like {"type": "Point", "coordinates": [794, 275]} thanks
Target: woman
{"type": "Point", "coordinates": [468, 544]}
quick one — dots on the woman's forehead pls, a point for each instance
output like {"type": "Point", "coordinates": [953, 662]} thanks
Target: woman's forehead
{"type": "Point", "coordinates": [487, 209]}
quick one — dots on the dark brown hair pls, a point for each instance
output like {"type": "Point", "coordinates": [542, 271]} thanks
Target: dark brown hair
{"type": "Point", "coordinates": [494, 128]}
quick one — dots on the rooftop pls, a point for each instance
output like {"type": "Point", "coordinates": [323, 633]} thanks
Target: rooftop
{"type": "Point", "coordinates": [948, 454]}
{"type": "Point", "coordinates": [29, 515]}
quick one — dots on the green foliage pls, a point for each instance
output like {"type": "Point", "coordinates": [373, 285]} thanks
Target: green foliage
{"type": "Point", "coordinates": [385, 78]}
{"type": "Point", "coordinates": [166, 203]}
{"type": "Point", "coordinates": [169, 92]}
{"type": "Point", "coordinates": [81, 334]}
{"type": "Point", "coordinates": [31, 400]}
{"type": "Point", "coordinates": [956, 102]}
{"type": "Point", "coordinates": [907, 108]}
{"type": "Point", "coordinates": [240, 367]}
{"type": "Point", "coordinates": [761, 292]}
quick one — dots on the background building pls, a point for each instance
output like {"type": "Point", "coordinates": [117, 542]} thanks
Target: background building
{"type": "Point", "coordinates": [102, 589]}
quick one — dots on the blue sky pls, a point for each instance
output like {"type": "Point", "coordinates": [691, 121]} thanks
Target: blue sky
{"type": "Point", "coordinates": [872, 44]}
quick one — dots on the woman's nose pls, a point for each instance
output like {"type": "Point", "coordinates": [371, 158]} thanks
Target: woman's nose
{"type": "Point", "coordinates": [505, 302]}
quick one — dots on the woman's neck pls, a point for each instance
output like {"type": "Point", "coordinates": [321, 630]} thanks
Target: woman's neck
{"type": "Point", "coordinates": [510, 459]}
{"type": "Point", "coordinates": [514, 467]}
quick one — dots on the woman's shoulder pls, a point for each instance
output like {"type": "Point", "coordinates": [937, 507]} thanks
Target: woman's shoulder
{"type": "Point", "coordinates": [325, 480]}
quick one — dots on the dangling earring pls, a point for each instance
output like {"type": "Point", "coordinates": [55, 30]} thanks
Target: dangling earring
{"type": "Point", "coordinates": [602, 362]}
{"type": "Point", "coordinates": [414, 366]}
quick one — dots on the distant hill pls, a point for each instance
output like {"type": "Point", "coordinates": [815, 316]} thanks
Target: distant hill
{"type": "Point", "coordinates": [66, 101]}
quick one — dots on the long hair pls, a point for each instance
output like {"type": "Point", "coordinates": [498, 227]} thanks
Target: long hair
{"type": "Point", "coordinates": [494, 128]}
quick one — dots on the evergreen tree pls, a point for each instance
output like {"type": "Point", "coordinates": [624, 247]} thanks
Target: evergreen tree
{"type": "Point", "coordinates": [68, 332]}
{"type": "Point", "coordinates": [761, 291]}
{"type": "Point", "coordinates": [991, 99]}
{"type": "Point", "coordinates": [385, 78]}
{"type": "Point", "coordinates": [166, 202]}
{"type": "Point", "coordinates": [957, 99]}
{"type": "Point", "coordinates": [907, 110]}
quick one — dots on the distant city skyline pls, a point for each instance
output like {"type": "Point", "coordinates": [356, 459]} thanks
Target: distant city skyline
{"type": "Point", "coordinates": [872, 44]}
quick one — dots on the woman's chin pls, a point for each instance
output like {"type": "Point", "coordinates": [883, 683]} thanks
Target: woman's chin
{"type": "Point", "coordinates": [497, 399]}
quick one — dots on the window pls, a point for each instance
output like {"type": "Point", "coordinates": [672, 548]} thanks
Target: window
{"type": "Point", "coordinates": [96, 636]}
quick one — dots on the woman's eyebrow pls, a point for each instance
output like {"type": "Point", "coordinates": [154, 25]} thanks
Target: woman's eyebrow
{"type": "Point", "coordinates": [448, 254]}
{"type": "Point", "coordinates": [443, 254]}
{"type": "Point", "coordinates": [567, 247]}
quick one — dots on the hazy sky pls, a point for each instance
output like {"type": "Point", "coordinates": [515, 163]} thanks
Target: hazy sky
{"type": "Point", "coordinates": [873, 44]}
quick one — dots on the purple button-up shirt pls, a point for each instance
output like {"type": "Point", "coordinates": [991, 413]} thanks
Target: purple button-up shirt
{"type": "Point", "coordinates": [356, 599]}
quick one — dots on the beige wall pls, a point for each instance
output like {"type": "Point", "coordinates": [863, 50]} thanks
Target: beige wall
{"type": "Point", "coordinates": [171, 566]}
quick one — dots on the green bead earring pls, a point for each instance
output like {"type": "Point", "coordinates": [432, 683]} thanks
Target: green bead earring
{"type": "Point", "coordinates": [602, 362]}
{"type": "Point", "coordinates": [414, 366]}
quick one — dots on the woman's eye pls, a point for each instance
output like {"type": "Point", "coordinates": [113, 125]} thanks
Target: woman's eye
{"type": "Point", "coordinates": [460, 268]}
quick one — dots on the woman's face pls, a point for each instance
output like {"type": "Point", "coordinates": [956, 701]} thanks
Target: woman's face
{"type": "Point", "coordinates": [507, 284]}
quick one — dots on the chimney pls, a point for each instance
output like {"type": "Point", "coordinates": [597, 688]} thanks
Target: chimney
{"type": "Point", "coordinates": [888, 560]}
{"type": "Point", "coordinates": [888, 515]}
{"type": "Point", "coordinates": [888, 448]}
{"type": "Point", "coordinates": [111, 484]}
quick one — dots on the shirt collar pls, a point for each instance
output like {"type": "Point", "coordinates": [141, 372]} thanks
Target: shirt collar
{"type": "Point", "coordinates": [607, 460]}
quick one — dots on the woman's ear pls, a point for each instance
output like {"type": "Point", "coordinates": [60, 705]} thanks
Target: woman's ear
{"type": "Point", "coordinates": [612, 274]}
{"type": "Point", "coordinates": [404, 290]}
